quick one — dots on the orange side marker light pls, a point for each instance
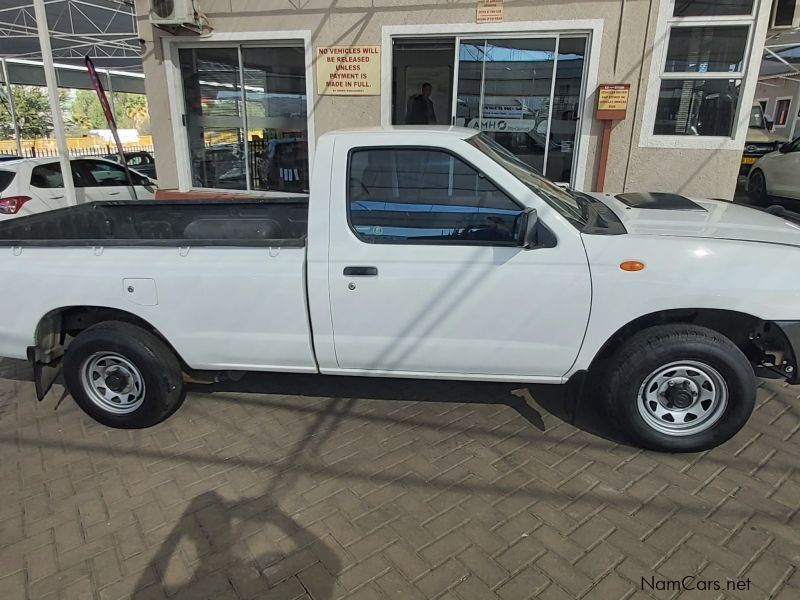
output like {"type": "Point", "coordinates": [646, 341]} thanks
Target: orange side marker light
{"type": "Point", "coordinates": [631, 265]}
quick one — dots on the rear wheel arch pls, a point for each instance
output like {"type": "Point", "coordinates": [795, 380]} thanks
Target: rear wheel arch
{"type": "Point", "coordinates": [55, 327]}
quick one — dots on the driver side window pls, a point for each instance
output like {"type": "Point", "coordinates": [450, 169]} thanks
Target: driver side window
{"type": "Point", "coordinates": [416, 195]}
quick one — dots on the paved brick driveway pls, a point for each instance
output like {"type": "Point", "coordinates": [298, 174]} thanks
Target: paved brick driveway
{"type": "Point", "coordinates": [327, 488]}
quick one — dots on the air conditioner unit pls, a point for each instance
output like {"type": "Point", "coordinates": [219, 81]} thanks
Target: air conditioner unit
{"type": "Point", "coordinates": [785, 14]}
{"type": "Point", "coordinates": [174, 13]}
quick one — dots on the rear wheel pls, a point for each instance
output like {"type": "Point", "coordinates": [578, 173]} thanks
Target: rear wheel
{"type": "Point", "coordinates": [757, 188]}
{"type": "Point", "coordinates": [681, 388]}
{"type": "Point", "coordinates": [123, 376]}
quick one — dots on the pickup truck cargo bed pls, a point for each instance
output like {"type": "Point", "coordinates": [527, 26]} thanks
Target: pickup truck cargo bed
{"type": "Point", "coordinates": [278, 222]}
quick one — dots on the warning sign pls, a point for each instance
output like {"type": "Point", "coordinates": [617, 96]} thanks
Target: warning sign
{"type": "Point", "coordinates": [490, 11]}
{"type": "Point", "coordinates": [612, 101]}
{"type": "Point", "coordinates": [349, 70]}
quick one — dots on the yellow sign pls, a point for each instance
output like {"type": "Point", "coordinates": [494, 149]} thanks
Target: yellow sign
{"type": "Point", "coordinates": [349, 70]}
{"type": "Point", "coordinates": [490, 11]}
{"type": "Point", "coordinates": [613, 97]}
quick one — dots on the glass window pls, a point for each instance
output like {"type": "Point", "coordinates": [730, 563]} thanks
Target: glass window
{"type": "Point", "coordinates": [98, 173]}
{"type": "Point", "coordinates": [697, 107]}
{"type": "Point", "coordinates": [275, 96]}
{"type": "Point", "coordinates": [103, 174]}
{"type": "Point", "coordinates": [212, 93]}
{"type": "Point", "coordinates": [712, 8]}
{"type": "Point", "coordinates": [706, 49]}
{"type": "Point", "coordinates": [566, 108]}
{"type": "Point", "coordinates": [47, 176]}
{"type": "Point", "coordinates": [401, 195]}
{"type": "Point", "coordinates": [560, 199]}
{"type": "Point", "coordinates": [714, 48]}
{"type": "Point", "coordinates": [782, 112]}
{"type": "Point", "coordinates": [6, 177]}
{"type": "Point", "coordinates": [251, 140]}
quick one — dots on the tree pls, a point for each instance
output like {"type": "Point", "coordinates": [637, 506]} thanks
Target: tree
{"type": "Point", "coordinates": [135, 107]}
{"type": "Point", "coordinates": [130, 110]}
{"type": "Point", "coordinates": [86, 111]}
{"type": "Point", "coordinates": [34, 116]}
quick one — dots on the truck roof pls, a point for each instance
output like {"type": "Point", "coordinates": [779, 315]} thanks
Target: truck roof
{"type": "Point", "coordinates": [459, 132]}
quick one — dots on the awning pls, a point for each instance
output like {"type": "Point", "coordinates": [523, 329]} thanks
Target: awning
{"type": "Point", "coordinates": [103, 29]}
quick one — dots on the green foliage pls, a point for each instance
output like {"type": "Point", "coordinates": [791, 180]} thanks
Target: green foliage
{"type": "Point", "coordinates": [34, 116]}
{"type": "Point", "coordinates": [83, 112]}
{"type": "Point", "coordinates": [87, 114]}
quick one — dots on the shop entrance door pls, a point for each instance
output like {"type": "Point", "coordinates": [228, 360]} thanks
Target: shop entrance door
{"type": "Point", "coordinates": [526, 92]}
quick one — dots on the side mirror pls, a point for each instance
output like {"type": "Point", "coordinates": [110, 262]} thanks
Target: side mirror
{"type": "Point", "coordinates": [145, 181]}
{"type": "Point", "coordinates": [769, 124]}
{"type": "Point", "coordinates": [526, 228]}
{"type": "Point", "coordinates": [784, 148]}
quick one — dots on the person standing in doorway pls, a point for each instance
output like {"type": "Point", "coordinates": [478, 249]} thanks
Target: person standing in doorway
{"type": "Point", "coordinates": [420, 110]}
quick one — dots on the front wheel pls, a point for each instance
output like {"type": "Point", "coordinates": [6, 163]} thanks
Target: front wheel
{"type": "Point", "coordinates": [681, 388]}
{"type": "Point", "coordinates": [123, 376]}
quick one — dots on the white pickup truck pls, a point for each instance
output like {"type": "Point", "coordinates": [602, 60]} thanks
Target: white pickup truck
{"type": "Point", "coordinates": [426, 253]}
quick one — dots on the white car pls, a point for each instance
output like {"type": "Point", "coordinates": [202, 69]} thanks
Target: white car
{"type": "Point", "coordinates": [421, 252]}
{"type": "Point", "coordinates": [776, 174]}
{"type": "Point", "coordinates": [33, 185]}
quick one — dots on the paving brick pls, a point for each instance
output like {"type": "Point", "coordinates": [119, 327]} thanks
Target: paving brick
{"type": "Point", "coordinates": [442, 578]}
{"type": "Point", "coordinates": [406, 560]}
{"type": "Point", "coordinates": [564, 574]}
{"type": "Point", "coordinates": [409, 492]}
{"type": "Point", "coordinates": [483, 566]}
{"type": "Point", "coordinates": [525, 584]}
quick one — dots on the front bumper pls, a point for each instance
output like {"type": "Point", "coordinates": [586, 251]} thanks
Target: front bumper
{"type": "Point", "coordinates": [791, 331]}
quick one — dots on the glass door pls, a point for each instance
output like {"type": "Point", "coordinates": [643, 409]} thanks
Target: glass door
{"type": "Point", "coordinates": [526, 93]}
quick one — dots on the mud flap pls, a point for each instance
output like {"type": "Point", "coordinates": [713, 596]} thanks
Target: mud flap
{"type": "Point", "coordinates": [43, 374]}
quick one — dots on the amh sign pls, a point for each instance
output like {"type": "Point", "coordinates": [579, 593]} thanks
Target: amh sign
{"type": "Point", "coordinates": [349, 70]}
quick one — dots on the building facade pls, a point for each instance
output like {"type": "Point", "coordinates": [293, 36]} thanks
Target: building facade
{"type": "Point", "coordinates": [238, 107]}
{"type": "Point", "coordinates": [780, 99]}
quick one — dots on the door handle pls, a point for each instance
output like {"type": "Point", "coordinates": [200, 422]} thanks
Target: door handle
{"type": "Point", "coordinates": [113, 193]}
{"type": "Point", "coordinates": [361, 271]}
{"type": "Point", "coordinates": [57, 197]}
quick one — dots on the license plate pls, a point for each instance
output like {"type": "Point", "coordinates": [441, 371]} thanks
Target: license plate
{"type": "Point", "coordinates": [749, 160]}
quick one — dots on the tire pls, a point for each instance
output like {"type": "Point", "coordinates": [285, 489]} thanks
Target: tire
{"type": "Point", "coordinates": [757, 188]}
{"type": "Point", "coordinates": [123, 376]}
{"type": "Point", "coordinates": [690, 374]}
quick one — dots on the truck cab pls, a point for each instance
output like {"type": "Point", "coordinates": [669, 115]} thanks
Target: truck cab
{"type": "Point", "coordinates": [421, 252]}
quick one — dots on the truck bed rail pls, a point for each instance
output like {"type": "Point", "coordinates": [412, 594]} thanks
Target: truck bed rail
{"type": "Point", "coordinates": [269, 223]}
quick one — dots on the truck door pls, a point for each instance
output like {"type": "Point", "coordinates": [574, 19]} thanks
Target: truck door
{"type": "Point", "coordinates": [425, 275]}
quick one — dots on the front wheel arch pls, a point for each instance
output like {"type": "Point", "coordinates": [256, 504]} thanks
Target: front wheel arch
{"type": "Point", "coordinates": [755, 337]}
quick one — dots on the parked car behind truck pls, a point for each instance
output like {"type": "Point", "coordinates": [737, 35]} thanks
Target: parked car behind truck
{"type": "Point", "coordinates": [761, 140]}
{"type": "Point", "coordinates": [427, 253]}
{"type": "Point", "coordinates": [33, 185]}
{"type": "Point", "coordinates": [776, 175]}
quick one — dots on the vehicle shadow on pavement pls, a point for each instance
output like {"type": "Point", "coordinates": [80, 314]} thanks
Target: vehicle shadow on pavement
{"type": "Point", "coordinates": [213, 529]}
{"type": "Point", "coordinates": [573, 404]}
{"type": "Point", "coordinates": [580, 406]}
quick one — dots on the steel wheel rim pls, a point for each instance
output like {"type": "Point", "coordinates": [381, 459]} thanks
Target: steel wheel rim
{"type": "Point", "coordinates": [113, 383]}
{"type": "Point", "coordinates": [683, 398]}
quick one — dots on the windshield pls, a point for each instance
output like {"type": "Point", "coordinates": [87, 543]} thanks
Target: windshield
{"type": "Point", "coordinates": [757, 117]}
{"type": "Point", "coordinates": [560, 199]}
